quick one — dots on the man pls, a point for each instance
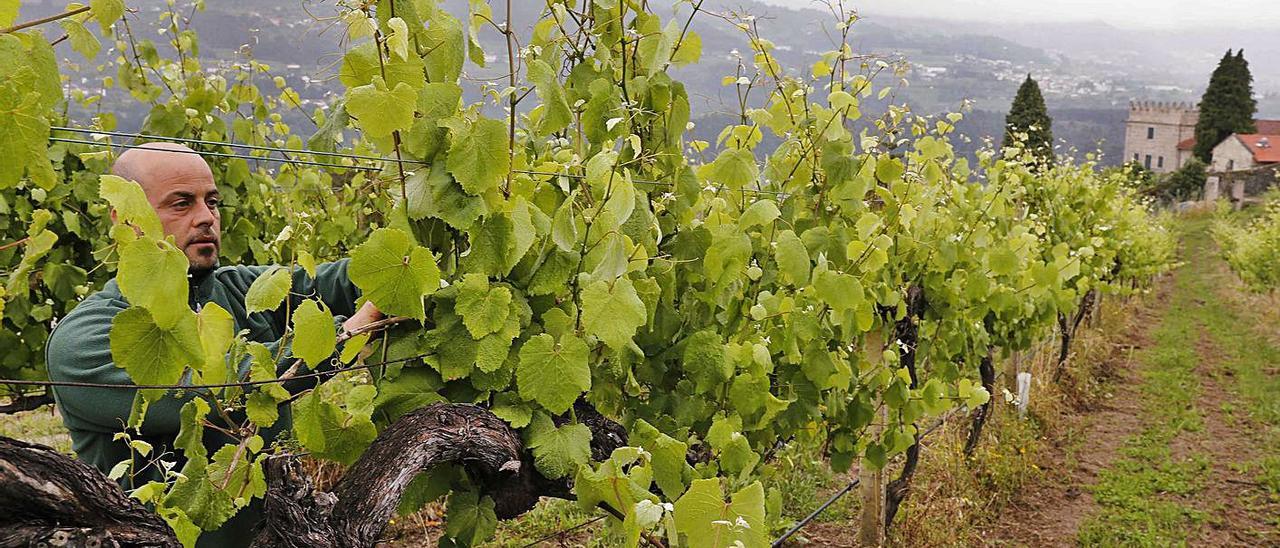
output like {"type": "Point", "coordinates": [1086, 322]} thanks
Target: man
{"type": "Point", "coordinates": [180, 187]}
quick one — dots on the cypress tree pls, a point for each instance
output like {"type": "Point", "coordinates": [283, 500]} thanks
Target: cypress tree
{"type": "Point", "coordinates": [1227, 105]}
{"type": "Point", "coordinates": [1029, 115]}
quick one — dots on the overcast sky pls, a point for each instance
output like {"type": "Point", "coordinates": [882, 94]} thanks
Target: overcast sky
{"type": "Point", "coordinates": [1151, 14]}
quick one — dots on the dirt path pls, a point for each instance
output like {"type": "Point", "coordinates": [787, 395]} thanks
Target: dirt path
{"type": "Point", "coordinates": [1182, 452]}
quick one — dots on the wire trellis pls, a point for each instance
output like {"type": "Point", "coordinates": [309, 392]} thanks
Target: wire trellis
{"type": "Point", "coordinates": [294, 151]}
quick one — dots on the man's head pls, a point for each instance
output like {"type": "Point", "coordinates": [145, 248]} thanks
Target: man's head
{"type": "Point", "coordinates": [179, 185]}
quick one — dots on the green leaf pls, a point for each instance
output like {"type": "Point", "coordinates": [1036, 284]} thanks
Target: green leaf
{"type": "Point", "coordinates": [107, 12]}
{"type": "Point", "coordinates": [154, 275]}
{"type": "Point", "coordinates": [433, 193]}
{"type": "Point", "coordinates": [315, 337]}
{"type": "Point", "coordinates": [152, 354]}
{"type": "Point", "coordinates": [130, 204]}
{"type": "Point", "coordinates": [762, 212]}
{"type": "Point", "coordinates": [330, 432]}
{"type": "Point", "coordinates": [190, 437]}
{"type": "Point", "coordinates": [668, 458]}
{"type": "Point", "coordinates": [709, 521]}
{"type": "Point", "coordinates": [553, 373]}
{"type": "Point", "coordinates": [478, 156]}
{"type": "Point", "coordinates": [704, 360]}
{"type": "Point", "coordinates": [217, 331]}
{"type": "Point", "coordinates": [612, 312]}
{"type": "Point", "coordinates": [413, 388]}
{"type": "Point", "coordinates": [361, 65]}
{"type": "Point", "coordinates": [82, 41]}
{"type": "Point", "coordinates": [557, 452]}
{"type": "Point", "coordinates": [484, 308]}
{"type": "Point", "coordinates": [889, 169]}
{"type": "Point", "coordinates": [268, 290]}
{"type": "Point", "coordinates": [380, 111]}
{"type": "Point", "coordinates": [262, 409]}
{"type": "Point", "coordinates": [492, 246]}
{"type": "Point", "coordinates": [470, 519]}
{"type": "Point", "coordinates": [734, 168]}
{"type": "Point", "coordinates": [555, 105]}
{"type": "Point", "coordinates": [793, 258]}
{"type": "Point", "coordinates": [202, 501]}
{"type": "Point", "coordinates": [1003, 261]}
{"type": "Point", "coordinates": [689, 49]}
{"type": "Point", "coordinates": [9, 12]}
{"type": "Point", "coordinates": [394, 273]}
{"type": "Point", "coordinates": [444, 41]}
{"type": "Point", "coordinates": [841, 292]}
{"type": "Point", "coordinates": [25, 131]}
{"type": "Point", "coordinates": [733, 449]}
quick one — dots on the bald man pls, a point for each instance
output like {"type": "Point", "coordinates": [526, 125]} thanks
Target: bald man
{"type": "Point", "coordinates": [180, 186]}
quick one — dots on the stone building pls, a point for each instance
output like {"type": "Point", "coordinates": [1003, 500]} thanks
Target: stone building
{"type": "Point", "coordinates": [1243, 152]}
{"type": "Point", "coordinates": [1161, 136]}
{"type": "Point", "coordinates": [1155, 134]}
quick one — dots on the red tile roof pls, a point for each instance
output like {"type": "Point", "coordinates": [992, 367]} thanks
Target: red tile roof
{"type": "Point", "coordinates": [1265, 148]}
{"type": "Point", "coordinates": [1264, 127]}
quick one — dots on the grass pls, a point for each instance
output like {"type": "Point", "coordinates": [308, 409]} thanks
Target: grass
{"type": "Point", "coordinates": [42, 426]}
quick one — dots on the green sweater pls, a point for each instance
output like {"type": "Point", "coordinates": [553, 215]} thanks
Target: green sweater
{"type": "Point", "coordinates": [79, 349]}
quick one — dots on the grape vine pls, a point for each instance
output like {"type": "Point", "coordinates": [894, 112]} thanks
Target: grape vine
{"type": "Point", "coordinates": [712, 298]}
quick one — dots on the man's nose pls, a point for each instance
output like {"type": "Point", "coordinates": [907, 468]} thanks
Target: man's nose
{"type": "Point", "coordinates": [204, 215]}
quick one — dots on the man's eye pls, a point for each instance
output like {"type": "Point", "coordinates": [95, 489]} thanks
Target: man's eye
{"type": "Point", "coordinates": [213, 204]}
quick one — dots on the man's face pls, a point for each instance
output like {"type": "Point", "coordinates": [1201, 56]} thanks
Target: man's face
{"type": "Point", "coordinates": [180, 187]}
{"type": "Point", "coordinates": [188, 210]}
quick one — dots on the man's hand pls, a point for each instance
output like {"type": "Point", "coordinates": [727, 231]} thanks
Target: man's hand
{"type": "Point", "coordinates": [365, 316]}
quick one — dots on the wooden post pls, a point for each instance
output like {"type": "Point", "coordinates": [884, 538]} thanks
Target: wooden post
{"type": "Point", "coordinates": [871, 483]}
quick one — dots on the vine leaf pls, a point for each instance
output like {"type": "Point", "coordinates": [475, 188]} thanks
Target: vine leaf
{"type": "Point", "coordinates": [484, 308]}
{"type": "Point", "coordinates": [394, 273]}
{"type": "Point", "coordinates": [314, 336]}
{"type": "Point", "coordinates": [268, 290]}
{"type": "Point", "coordinates": [471, 518]}
{"type": "Point", "coordinates": [380, 111]}
{"type": "Point", "coordinates": [130, 204]}
{"type": "Point", "coordinates": [154, 275]}
{"type": "Point", "coordinates": [553, 373]}
{"type": "Point", "coordinates": [477, 155]}
{"type": "Point", "coordinates": [557, 452]}
{"type": "Point", "coordinates": [708, 520]}
{"type": "Point", "coordinates": [612, 312]}
{"type": "Point", "coordinates": [152, 354]}
{"type": "Point", "coordinates": [217, 330]}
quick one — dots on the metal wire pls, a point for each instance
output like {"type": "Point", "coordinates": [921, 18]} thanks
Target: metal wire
{"type": "Point", "coordinates": [814, 514]}
{"type": "Point", "coordinates": [146, 136]}
{"type": "Point", "coordinates": [218, 154]}
{"type": "Point", "coordinates": [232, 145]}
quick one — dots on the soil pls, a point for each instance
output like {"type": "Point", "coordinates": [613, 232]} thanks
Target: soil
{"type": "Point", "coordinates": [1238, 512]}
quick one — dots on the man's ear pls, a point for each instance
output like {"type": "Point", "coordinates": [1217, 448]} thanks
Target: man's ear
{"type": "Point", "coordinates": [114, 220]}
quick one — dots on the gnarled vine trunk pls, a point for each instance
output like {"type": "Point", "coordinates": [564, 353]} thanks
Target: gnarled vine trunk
{"type": "Point", "coordinates": [52, 499]}
{"type": "Point", "coordinates": [988, 373]}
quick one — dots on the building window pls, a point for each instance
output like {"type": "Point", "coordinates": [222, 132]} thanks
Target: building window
{"type": "Point", "coordinates": [1231, 165]}
{"type": "Point", "coordinates": [1160, 162]}
{"type": "Point", "coordinates": [1151, 133]}
{"type": "Point", "coordinates": [1135, 157]}
{"type": "Point", "coordinates": [1147, 162]}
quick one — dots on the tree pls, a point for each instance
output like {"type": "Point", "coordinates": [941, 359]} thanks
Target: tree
{"type": "Point", "coordinates": [1030, 116]}
{"type": "Point", "coordinates": [1187, 181]}
{"type": "Point", "coordinates": [1227, 105]}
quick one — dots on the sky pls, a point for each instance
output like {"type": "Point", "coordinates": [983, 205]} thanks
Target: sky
{"type": "Point", "coordinates": [1144, 14]}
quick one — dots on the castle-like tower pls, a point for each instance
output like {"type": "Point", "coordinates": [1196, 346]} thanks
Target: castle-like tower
{"type": "Point", "coordinates": [1160, 136]}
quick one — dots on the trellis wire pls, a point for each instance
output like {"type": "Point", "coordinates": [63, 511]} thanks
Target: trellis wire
{"type": "Point", "coordinates": [241, 384]}
{"type": "Point", "coordinates": [841, 493]}
{"type": "Point", "coordinates": [302, 151]}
